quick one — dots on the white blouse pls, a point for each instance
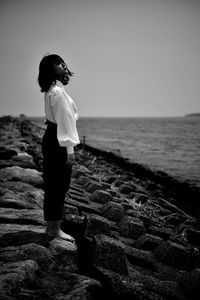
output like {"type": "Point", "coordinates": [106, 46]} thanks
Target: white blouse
{"type": "Point", "coordinates": [61, 109]}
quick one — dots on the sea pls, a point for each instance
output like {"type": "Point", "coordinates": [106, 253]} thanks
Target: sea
{"type": "Point", "coordinates": [170, 145]}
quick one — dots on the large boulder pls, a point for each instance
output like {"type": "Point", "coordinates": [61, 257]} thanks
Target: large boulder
{"type": "Point", "coordinates": [66, 252]}
{"type": "Point", "coordinates": [21, 216]}
{"type": "Point", "coordinates": [113, 211]}
{"type": "Point", "coordinates": [16, 173]}
{"type": "Point", "coordinates": [96, 225]}
{"type": "Point", "coordinates": [41, 255]}
{"type": "Point", "coordinates": [29, 199]}
{"type": "Point", "coordinates": [109, 253]}
{"type": "Point", "coordinates": [190, 283]}
{"type": "Point", "coordinates": [131, 227]}
{"type": "Point", "coordinates": [173, 254]}
{"type": "Point", "coordinates": [100, 196]}
{"type": "Point", "coordinates": [7, 153]}
{"type": "Point", "coordinates": [93, 186]}
{"type": "Point", "coordinates": [125, 189]}
{"type": "Point", "coordinates": [13, 274]}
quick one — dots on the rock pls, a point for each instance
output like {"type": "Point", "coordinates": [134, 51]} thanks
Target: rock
{"type": "Point", "coordinates": [41, 255]}
{"type": "Point", "coordinates": [193, 236]}
{"type": "Point", "coordinates": [6, 153]}
{"type": "Point", "coordinates": [83, 180]}
{"type": "Point", "coordinates": [140, 198]}
{"type": "Point", "coordinates": [19, 163]}
{"type": "Point", "coordinates": [113, 193]}
{"type": "Point", "coordinates": [78, 198]}
{"type": "Point", "coordinates": [93, 186]}
{"type": "Point", "coordinates": [131, 227]}
{"type": "Point", "coordinates": [70, 210]}
{"type": "Point", "coordinates": [110, 254]}
{"type": "Point", "coordinates": [119, 200]}
{"type": "Point", "coordinates": [15, 173]}
{"type": "Point", "coordinates": [17, 235]}
{"type": "Point", "coordinates": [20, 200]}
{"type": "Point", "coordinates": [175, 219]}
{"type": "Point", "coordinates": [173, 254]}
{"type": "Point", "coordinates": [69, 286]}
{"type": "Point", "coordinates": [97, 225]}
{"type": "Point", "coordinates": [105, 185]}
{"type": "Point", "coordinates": [122, 287]}
{"type": "Point", "coordinates": [85, 208]}
{"type": "Point", "coordinates": [110, 179]}
{"type": "Point", "coordinates": [13, 274]}
{"type": "Point", "coordinates": [118, 182]}
{"type": "Point", "coordinates": [86, 288]}
{"type": "Point", "coordinates": [100, 196]}
{"type": "Point", "coordinates": [133, 212]}
{"type": "Point", "coordinates": [74, 225]}
{"type": "Point", "coordinates": [141, 258]}
{"type": "Point", "coordinates": [190, 283]}
{"type": "Point", "coordinates": [148, 242]}
{"type": "Point", "coordinates": [162, 232]}
{"type": "Point", "coordinates": [164, 211]}
{"type": "Point", "coordinates": [78, 173]}
{"type": "Point", "coordinates": [17, 186]}
{"type": "Point", "coordinates": [125, 189]}
{"type": "Point", "coordinates": [21, 216]}
{"type": "Point", "coordinates": [22, 160]}
{"type": "Point", "coordinates": [66, 252]}
{"type": "Point", "coordinates": [113, 211]}
{"type": "Point", "coordinates": [165, 289]}
{"type": "Point", "coordinates": [23, 156]}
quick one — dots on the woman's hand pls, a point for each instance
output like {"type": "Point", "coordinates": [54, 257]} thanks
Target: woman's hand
{"type": "Point", "coordinates": [71, 159]}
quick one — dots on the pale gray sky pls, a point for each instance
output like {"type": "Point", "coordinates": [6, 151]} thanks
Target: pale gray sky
{"type": "Point", "coordinates": [130, 57]}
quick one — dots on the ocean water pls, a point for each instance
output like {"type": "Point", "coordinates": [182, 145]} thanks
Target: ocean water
{"type": "Point", "coordinates": [171, 145]}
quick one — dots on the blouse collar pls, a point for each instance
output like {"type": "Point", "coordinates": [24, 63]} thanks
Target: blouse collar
{"type": "Point", "coordinates": [59, 83]}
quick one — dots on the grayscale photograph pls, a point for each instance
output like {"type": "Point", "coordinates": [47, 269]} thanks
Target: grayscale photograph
{"type": "Point", "coordinates": [100, 149]}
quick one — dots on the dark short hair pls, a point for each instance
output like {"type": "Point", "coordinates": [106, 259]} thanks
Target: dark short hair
{"type": "Point", "coordinates": [46, 75]}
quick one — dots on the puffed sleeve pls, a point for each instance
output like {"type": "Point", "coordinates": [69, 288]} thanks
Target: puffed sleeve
{"type": "Point", "coordinates": [65, 118]}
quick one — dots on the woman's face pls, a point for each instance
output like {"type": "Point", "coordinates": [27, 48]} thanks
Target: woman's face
{"type": "Point", "coordinates": [61, 73]}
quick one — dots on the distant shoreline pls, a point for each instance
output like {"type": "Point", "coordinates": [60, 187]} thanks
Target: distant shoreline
{"type": "Point", "coordinates": [113, 117]}
{"type": "Point", "coordinates": [193, 115]}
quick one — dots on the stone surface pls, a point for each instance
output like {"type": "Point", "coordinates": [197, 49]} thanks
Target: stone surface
{"type": "Point", "coordinates": [16, 173]}
{"type": "Point", "coordinates": [100, 196]}
{"type": "Point", "coordinates": [40, 254]}
{"type": "Point", "coordinates": [148, 242]}
{"type": "Point", "coordinates": [190, 283]}
{"type": "Point", "coordinates": [21, 216]}
{"type": "Point", "coordinates": [113, 211]}
{"type": "Point", "coordinates": [131, 227]}
{"type": "Point", "coordinates": [173, 254]}
{"type": "Point", "coordinates": [93, 186]}
{"type": "Point", "coordinates": [125, 189]}
{"type": "Point", "coordinates": [193, 236]}
{"type": "Point", "coordinates": [109, 253]}
{"type": "Point", "coordinates": [97, 225]}
{"type": "Point", "coordinates": [144, 259]}
{"type": "Point", "coordinates": [13, 274]}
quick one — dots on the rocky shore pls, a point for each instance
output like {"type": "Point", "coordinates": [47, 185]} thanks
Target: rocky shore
{"type": "Point", "coordinates": [137, 232]}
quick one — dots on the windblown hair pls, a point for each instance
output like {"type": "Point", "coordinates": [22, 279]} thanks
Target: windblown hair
{"type": "Point", "coordinates": [46, 75]}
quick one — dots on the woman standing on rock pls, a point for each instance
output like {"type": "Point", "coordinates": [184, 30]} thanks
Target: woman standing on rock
{"type": "Point", "coordinates": [58, 142]}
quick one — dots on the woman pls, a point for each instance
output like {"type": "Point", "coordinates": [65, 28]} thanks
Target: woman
{"type": "Point", "coordinates": [58, 142]}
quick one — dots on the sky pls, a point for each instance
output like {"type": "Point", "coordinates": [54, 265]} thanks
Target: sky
{"type": "Point", "coordinates": [130, 58]}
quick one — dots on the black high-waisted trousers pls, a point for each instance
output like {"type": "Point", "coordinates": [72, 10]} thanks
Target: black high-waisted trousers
{"type": "Point", "coordinates": [56, 174]}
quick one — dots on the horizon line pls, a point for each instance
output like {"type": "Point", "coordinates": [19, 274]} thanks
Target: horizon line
{"type": "Point", "coordinates": [84, 116]}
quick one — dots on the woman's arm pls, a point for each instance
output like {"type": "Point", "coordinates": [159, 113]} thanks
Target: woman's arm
{"type": "Point", "coordinates": [66, 122]}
